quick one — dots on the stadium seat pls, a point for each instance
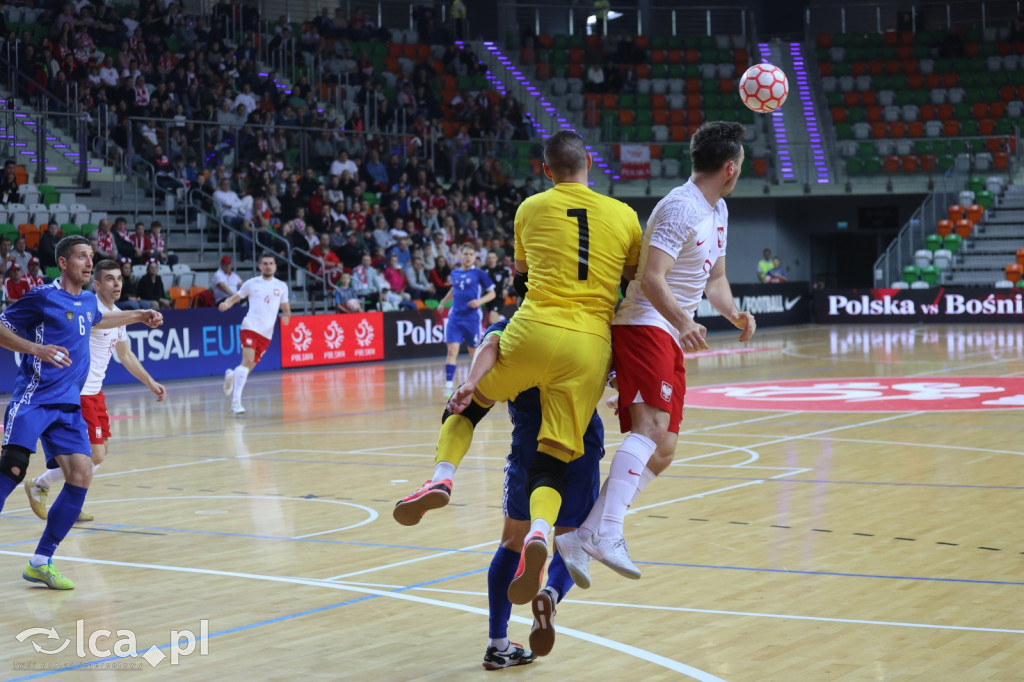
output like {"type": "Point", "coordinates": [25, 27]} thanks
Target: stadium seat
{"type": "Point", "coordinates": [911, 274]}
{"type": "Point", "coordinates": [920, 284]}
{"type": "Point", "coordinates": [922, 258]}
{"type": "Point", "coordinates": [942, 259]}
{"type": "Point", "coordinates": [964, 228]}
{"type": "Point", "coordinates": [952, 243]}
{"type": "Point", "coordinates": [1014, 272]}
{"type": "Point", "coordinates": [1020, 256]}
{"type": "Point", "coordinates": [933, 242]}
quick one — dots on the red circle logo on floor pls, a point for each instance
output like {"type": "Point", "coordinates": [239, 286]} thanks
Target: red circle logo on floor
{"type": "Point", "coordinates": [880, 394]}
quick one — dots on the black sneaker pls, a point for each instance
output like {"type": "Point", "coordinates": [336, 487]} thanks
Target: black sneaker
{"type": "Point", "coordinates": [515, 655]}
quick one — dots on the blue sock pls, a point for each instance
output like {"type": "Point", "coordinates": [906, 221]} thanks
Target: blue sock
{"type": "Point", "coordinates": [63, 514]}
{"type": "Point", "coordinates": [7, 486]}
{"type": "Point", "coordinates": [558, 576]}
{"type": "Point", "coordinates": [503, 569]}
{"type": "Point", "coordinates": [449, 372]}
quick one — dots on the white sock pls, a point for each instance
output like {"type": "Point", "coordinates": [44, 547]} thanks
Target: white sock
{"type": "Point", "coordinates": [539, 525]}
{"type": "Point", "coordinates": [646, 477]}
{"type": "Point", "coordinates": [241, 374]}
{"type": "Point", "coordinates": [592, 524]}
{"type": "Point", "coordinates": [500, 644]}
{"type": "Point", "coordinates": [443, 470]}
{"type": "Point", "coordinates": [50, 477]}
{"type": "Point", "coordinates": [627, 468]}
{"type": "Point", "coordinates": [38, 560]}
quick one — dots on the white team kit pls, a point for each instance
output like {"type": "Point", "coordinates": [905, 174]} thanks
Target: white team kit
{"type": "Point", "coordinates": [265, 299]}
{"type": "Point", "coordinates": [102, 344]}
{"type": "Point", "coordinates": [685, 226]}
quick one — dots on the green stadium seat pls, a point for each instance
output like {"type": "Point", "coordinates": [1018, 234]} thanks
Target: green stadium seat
{"type": "Point", "coordinates": [844, 131]}
{"type": "Point", "coordinates": [983, 198]}
{"type": "Point", "coordinates": [854, 165]}
{"type": "Point", "coordinates": [911, 274]}
{"type": "Point", "coordinates": [873, 166]}
{"type": "Point", "coordinates": [52, 272]}
{"type": "Point", "coordinates": [976, 184]}
{"type": "Point", "coordinates": [952, 243]}
{"type": "Point", "coordinates": [70, 229]}
{"type": "Point", "coordinates": [933, 242]}
{"type": "Point", "coordinates": [89, 228]}
{"type": "Point", "coordinates": [930, 274]}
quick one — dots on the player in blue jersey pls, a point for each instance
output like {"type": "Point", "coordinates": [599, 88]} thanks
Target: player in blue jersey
{"type": "Point", "coordinates": [50, 327]}
{"type": "Point", "coordinates": [582, 479]}
{"type": "Point", "coordinates": [471, 289]}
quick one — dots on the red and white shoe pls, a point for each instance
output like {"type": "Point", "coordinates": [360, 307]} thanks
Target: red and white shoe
{"type": "Point", "coordinates": [431, 495]}
{"type": "Point", "coordinates": [530, 574]}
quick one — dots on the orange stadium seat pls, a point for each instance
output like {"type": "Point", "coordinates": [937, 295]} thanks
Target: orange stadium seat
{"type": "Point", "coordinates": [677, 117]}
{"type": "Point", "coordinates": [927, 112]}
{"type": "Point", "coordinates": [898, 129]}
{"type": "Point", "coordinates": [951, 128]}
{"type": "Point", "coordinates": [915, 81]}
{"type": "Point", "coordinates": [874, 114]}
{"type": "Point", "coordinates": [956, 212]}
{"type": "Point", "coordinates": [626, 117]}
{"type": "Point", "coordinates": [929, 162]}
{"type": "Point", "coordinates": [1014, 272]}
{"type": "Point", "coordinates": [659, 101]}
{"type": "Point", "coordinates": [838, 114]}
{"type": "Point", "coordinates": [891, 164]}
{"type": "Point", "coordinates": [660, 117]}
{"type": "Point", "coordinates": [987, 126]}
{"type": "Point", "coordinates": [964, 228]}
{"type": "Point", "coordinates": [909, 163]}
{"type": "Point", "coordinates": [944, 227]}
{"type": "Point", "coordinates": [1001, 161]}
{"type": "Point", "coordinates": [915, 129]}
{"type": "Point", "coordinates": [879, 130]}
{"type": "Point", "coordinates": [975, 213]}
{"type": "Point", "coordinates": [677, 133]}
{"type": "Point", "coordinates": [933, 81]}
{"type": "Point", "coordinates": [1020, 256]}
{"type": "Point", "coordinates": [760, 167]}
{"type": "Point", "coordinates": [869, 98]}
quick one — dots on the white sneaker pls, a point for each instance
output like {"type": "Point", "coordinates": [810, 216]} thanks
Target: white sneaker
{"type": "Point", "coordinates": [613, 552]}
{"type": "Point", "coordinates": [570, 546]}
{"type": "Point", "coordinates": [229, 381]}
{"type": "Point", "coordinates": [237, 408]}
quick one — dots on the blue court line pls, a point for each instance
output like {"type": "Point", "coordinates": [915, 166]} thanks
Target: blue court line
{"type": "Point", "coordinates": [250, 626]}
{"type": "Point", "coordinates": [834, 573]}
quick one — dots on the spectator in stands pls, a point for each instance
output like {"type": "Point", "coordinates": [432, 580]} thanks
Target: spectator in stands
{"type": "Point", "coordinates": [34, 276]}
{"type": "Point", "coordinates": [20, 254]}
{"type": "Point", "coordinates": [764, 265]}
{"type": "Point", "coordinates": [366, 282]}
{"type": "Point", "coordinates": [342, 164]}
{"type": "Point", "coordinates": [440, 277]}
{"type": "Point", "coordinates": [129, 299]}
{"type": "Point", "coordinates": [140, 242]}
{"type": "Point", "coordinates": [48, 245]}
{"type": "Point", "coordinates": [9, 184]}
{"type": "Point", "coordinates": [595, 79]}
{"type": "Point", "coordinates": [151, 287]}
{"type": "Point", "coordinates": [417, 279]}
{"type": "Point", "coordinates": [14, 285]}
{"type": "Point", "coordinates": [324, 263]}
{"type": "Point", "coordinates": [346, 299]}
{"type": "Point", "coordinates": [351, 252]}
{"type": "Point", "coordinates": [401, 248]}
{"type": "Point", "coordinates": [105, 245]}
{"type": "Point", "coordinates": [224, 282]}
{"type": "Point", "coordinates": [778, 273]}
{"type": "Point", "coordinates": [158, 246]}
{"type": "Point", "coordinates": [229, 205]}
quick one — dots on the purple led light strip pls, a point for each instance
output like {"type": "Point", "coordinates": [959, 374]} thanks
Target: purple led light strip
{"type": "Point", "coordinates": [785, 159]}
{"type": "Point", "coordinates": [534, 91]}
{"type": "Point", "coordinates": [813, 127]}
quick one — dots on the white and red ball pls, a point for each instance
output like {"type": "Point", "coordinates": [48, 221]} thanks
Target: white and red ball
{"type": "Point", "coordinates": [764, 88]}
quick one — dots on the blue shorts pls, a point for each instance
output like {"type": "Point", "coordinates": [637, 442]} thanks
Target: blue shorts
{"type": "Point", "coordinates": [61, 428]}
{"type": "Point", "coordinates": [580, 487]}
{"type": "Point", "coordinates": [463, 330]}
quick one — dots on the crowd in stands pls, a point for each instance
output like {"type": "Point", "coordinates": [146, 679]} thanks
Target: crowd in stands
{"type": "Point", "coordinates": [22, 268]}
{"type": "Point", "coordinates": [362, 201]}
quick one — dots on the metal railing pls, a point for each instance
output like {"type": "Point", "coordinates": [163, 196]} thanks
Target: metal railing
{"type": "Point", "coordinates": [877, 17]}
{"type": "Point", "coordinates": [889, 266]}
{"type": "Point", "coordinates": [229, 239]}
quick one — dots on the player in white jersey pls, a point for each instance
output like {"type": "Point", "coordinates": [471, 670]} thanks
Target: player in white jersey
{"type": "Point", "coordinates": [103, 343]}
{"type": "Point", "coordinates": [682, 258]}
{"type": "Point", "coordinates": [266, 295]}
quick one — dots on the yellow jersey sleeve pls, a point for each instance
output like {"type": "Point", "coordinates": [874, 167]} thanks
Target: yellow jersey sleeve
{"type": "Point", "coordinates": [576, 244]}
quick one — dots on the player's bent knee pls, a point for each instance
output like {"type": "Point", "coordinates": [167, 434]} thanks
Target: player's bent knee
{"type": "Point", "coordinates": [474, 412]}
{"type": "Point", "coordinates": [547, 472]}
{"type": "Point", "coordinates": [14, 462]}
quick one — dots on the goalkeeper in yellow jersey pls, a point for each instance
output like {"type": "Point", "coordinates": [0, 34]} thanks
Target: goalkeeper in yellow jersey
{"type": "Point", "coordinates": [573, 246]}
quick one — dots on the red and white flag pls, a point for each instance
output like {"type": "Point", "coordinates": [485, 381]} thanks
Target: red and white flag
{"type": "Point", "coordinates": [636, 162]}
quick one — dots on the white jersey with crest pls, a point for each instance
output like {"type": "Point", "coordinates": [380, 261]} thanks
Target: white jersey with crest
{"type": "Point", "coordinates": [102, 344]}
{"type": "Point", "coordinates": [265, 299]}
{"type": "Point", "coordinates": [685, 226]}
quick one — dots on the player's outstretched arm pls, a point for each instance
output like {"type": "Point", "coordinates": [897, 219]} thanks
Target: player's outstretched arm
{"type": "Point", "coordinates": [55, 355]}
{"type": "Point", "coordinates": [719, 294]}
{"type": "Point", "coordinates": [132, 363]}
{"type": "Point", "coordinates": [120, 318]}
{"type": "Point", "coordinates": [228, 302]}
{"type": "Point", "coordinates": [483, 360]}
{"type": "Point", "coordinates": [656, 289]}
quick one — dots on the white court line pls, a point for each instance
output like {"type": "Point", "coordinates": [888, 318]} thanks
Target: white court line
{"type": "Point", "coordinates": [628, 649]}
{"type": "Point", "coordinates": [717, 612]}
{"type": "Point", "coordinates": [884, 442]}
{"type": "Point", "coordinates": [436, 555]}
{"type": "Point", "coordinates": [634, 510]}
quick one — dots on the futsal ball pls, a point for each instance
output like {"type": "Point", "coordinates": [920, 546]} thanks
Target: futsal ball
{"type": "Point", "coordinates": [763, 88]}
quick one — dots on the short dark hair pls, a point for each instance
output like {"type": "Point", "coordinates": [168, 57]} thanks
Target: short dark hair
{"type": "Point", "coordinates": [715, 144]}
{"type": "Point", "coordinates": [66, 245]}
{"type": "Point", "coordinates": [104, 265]}
{"type": "Point", "coordinates": [565, 153]}
{"type": "Point", "coordinates": [270, 255]}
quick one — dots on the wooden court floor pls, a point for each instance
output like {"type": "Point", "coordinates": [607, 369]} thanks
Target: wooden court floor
{"type": "Point", "coordinates": [783, 544]}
